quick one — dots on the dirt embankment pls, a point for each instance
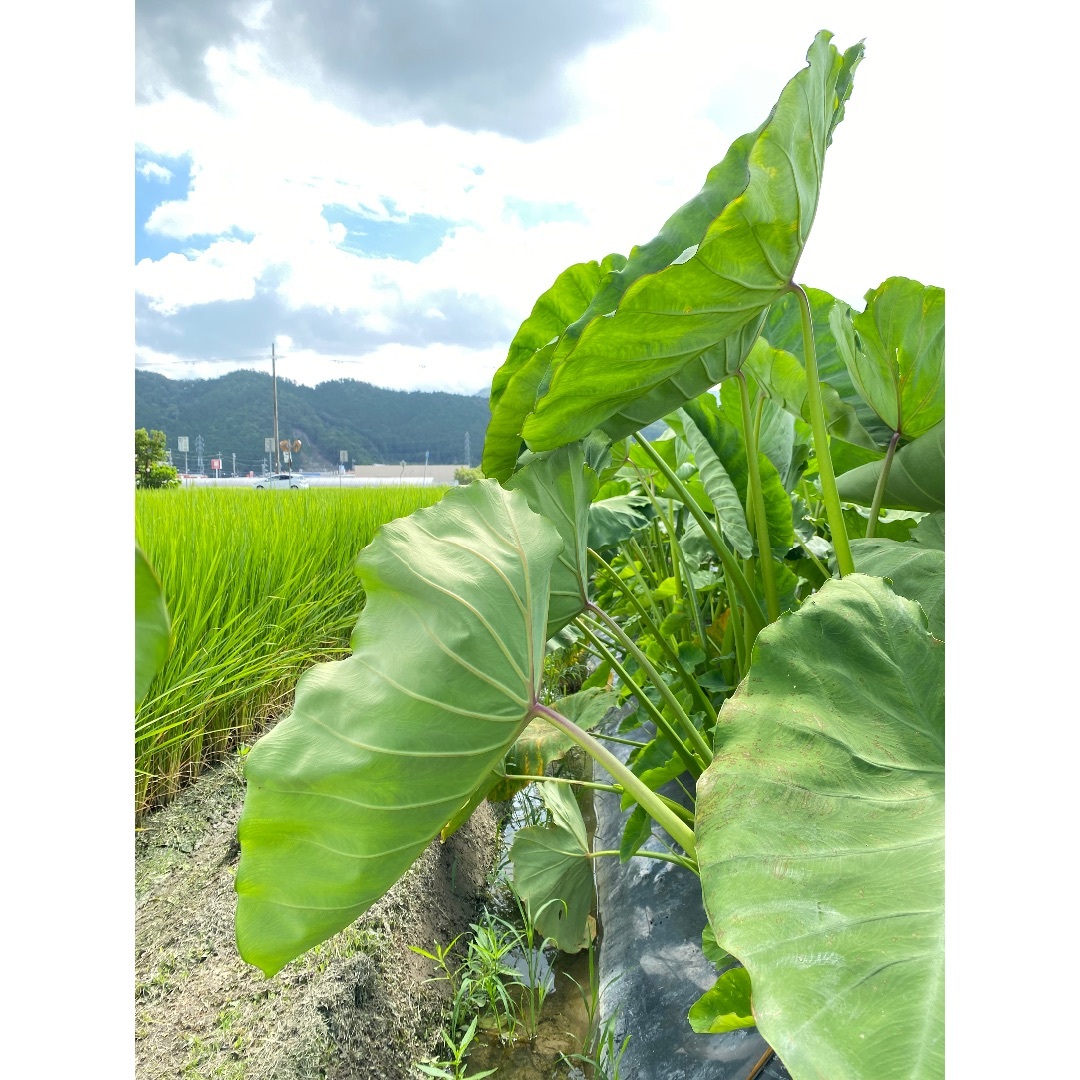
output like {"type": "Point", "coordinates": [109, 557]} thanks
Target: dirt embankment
{"type": "Point", "coordinates": [359, 1007]}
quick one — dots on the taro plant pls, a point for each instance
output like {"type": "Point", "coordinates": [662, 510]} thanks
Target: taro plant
{"type": "Point", "coordinates": [717, 556]}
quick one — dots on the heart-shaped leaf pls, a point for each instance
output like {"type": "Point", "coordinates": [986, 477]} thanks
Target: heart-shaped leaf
{"type": "Point", "coordinates": [553, 871]}
{"type": "Point", "coordinates": [617, 518]}
{"type": "Point", "coordinates": [820, 833]}
{"type": "Point", "coordinates": [383, 748]}
{"type": "Point", "coordinates": [916, 571]}
{"type": "Point", "coordinates": [726, 1007]}
{"type": "Point", "coordinates": [689, 305]}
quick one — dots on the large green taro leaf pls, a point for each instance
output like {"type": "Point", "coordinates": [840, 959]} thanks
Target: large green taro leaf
{"type": "Point", "coordinates": [776, 361]}
{"type": "Point", "coordinates": [820, 831]}
{"type": "Point", "coordinates": [560, 486]}
{"type": "Point", "coordinates": [515, 385]}
{"type": "Point", "coordinates": [383, 748]}
{"type": "Point", "coordinates": [693, 299]}
{"type": "Point", "coordinates": [916, 479]}
{"type": "Point", "coordinates": [153, 633]}
{"type": "Point", "coordinates": [895, 353]}
{"type": "Point", "coordinates": [916, 571]}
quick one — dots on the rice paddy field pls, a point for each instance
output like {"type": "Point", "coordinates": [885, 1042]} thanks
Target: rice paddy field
{"type": "Point", "coordinates": [259, 586]}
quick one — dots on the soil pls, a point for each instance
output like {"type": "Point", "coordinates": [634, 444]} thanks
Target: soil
{"type": "Point", "coordinates": [359, 1007]}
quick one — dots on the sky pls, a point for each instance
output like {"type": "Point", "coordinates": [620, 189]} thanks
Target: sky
{"type": "Point", "coordinates": [383, 189]}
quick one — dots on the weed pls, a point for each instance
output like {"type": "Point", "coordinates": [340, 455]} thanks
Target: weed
{"type": "Point", "coordinates": [454, 1067]}
{"type": "Point", "coordinates": [598, 1050]}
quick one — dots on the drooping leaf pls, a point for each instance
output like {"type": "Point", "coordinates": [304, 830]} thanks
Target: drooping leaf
{"type": "Point", "coordinates": [560, 486]}
{"type": "Point", "coordinates": [916, 571]}
{"type": "Point", "coordinates": [696, 300]}
{"type": "Point", "coordinates": [726, 1007]}
{"type": "Point", "coordinates": [895, 353]}
{"type": "Point", "coordinates": [515, 385]}
{"type": "Point", "coordinates": [552, 864]}
{"type": "Point", "coordinates": [916, 479]}
{"type": "Point", "coordinates": [820, 830]}
{"type": "Point", "coordinates": [153, 631]}
{"type": "Point", "coordinates": [383, 748]}
{"type": "Point", "coordinates": [895, 525]}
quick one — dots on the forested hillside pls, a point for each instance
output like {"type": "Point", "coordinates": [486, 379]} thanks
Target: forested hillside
{"type": "Point", "coordinates": [235, 413]}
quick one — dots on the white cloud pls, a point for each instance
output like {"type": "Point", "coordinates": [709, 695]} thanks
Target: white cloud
{"type": "Point", "coordinates": [660, 107]}
{"type": "Point", "coordinates": [153, 171]}
{"type": "Point", "coordinates": [452, 368]}
{"type": "Point", "coordinates": [227, 270]}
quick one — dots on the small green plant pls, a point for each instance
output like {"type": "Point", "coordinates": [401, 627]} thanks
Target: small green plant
{"type": "Point", "coordinates": [454, 1067]}
{"type": "Point", "coordinates": [598, 1051]}
{"type": "Point", "coordinates": [487, 977]}
{"type": "Point", "coordinates": [538, 979]}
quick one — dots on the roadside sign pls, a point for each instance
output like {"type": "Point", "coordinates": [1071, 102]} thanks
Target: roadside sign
{"type": "Point", "coordinates": [343, 456]}
{"type": "Point", "coordinates": [215, 463]}
{"type": "Point", "coordinates": [268, 445]}
{"type": "Point", "coordinates": [181, 444]}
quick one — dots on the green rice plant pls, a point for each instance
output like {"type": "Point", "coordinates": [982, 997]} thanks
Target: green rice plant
{"type": "Point", "coordinates": [258, 587]}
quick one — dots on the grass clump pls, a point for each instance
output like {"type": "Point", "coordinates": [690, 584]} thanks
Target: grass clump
{"type": "Point", "coordinates": [259, 586]}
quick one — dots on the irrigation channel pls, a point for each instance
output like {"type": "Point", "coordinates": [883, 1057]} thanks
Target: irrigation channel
{"type": "Point", "coordinates": [628, 1002]}
{"type": "Point", "coordinates": [366, 1006]}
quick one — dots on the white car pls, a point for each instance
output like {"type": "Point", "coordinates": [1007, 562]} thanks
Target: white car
{"type": "Point", "coordinates": [280, 481]}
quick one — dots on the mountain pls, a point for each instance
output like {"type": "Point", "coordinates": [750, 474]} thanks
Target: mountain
{"type": "Point", "coordinates": [235, 413]}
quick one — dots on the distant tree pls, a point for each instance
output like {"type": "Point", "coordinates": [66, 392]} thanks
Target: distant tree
{"type": "Point", "coordinates": [465, 475]}
{"type": "Point", "coordinates": [152, 470]}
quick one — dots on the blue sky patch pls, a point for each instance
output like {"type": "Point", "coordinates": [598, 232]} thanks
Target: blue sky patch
{"type": "Point", "coordinates": [154, 189]}
{"type": "Point", "coordinates": [409, 240]}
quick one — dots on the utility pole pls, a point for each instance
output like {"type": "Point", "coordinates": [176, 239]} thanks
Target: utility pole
{"type": "Point", "coordinates": [234, 463]}
{"type": "Point", "coordinates": [468, 452]}
{"type": "Point", "coordinates": [273, 368]}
